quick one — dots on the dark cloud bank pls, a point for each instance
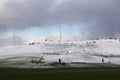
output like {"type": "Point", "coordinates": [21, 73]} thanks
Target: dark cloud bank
{"type": "Point", "coordinates": [100, 16]}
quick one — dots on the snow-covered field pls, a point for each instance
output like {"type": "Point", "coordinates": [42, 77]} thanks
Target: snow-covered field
{"type": "Point", "coordinates": [72, 51]}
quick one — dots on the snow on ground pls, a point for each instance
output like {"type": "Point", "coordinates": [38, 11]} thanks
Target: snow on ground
{"type": "Point", "coordinates": [75, 51]}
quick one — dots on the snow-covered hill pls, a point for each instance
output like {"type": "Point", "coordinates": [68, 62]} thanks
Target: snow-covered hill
{"type": "Point", "coordinates": [74, 51]}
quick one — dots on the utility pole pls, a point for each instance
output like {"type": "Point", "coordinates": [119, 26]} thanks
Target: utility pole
{"type": "Point", "coordinates": [60, 45]}
{"type": "Point", "coordinates": [60, 33]}
{"type": "Point", "coordinates": [14, 36]}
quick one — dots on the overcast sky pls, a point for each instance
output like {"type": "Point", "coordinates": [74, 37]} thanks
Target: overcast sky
{"type": "Point", "coordinates": [99, 18]}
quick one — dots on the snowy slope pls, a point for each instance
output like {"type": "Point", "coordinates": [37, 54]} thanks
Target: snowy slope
{"type": "Point", "coordinates": [75, 51]}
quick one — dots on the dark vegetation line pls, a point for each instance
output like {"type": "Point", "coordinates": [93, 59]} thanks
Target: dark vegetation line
{"type": "Point", "coordinates": [60, 74]}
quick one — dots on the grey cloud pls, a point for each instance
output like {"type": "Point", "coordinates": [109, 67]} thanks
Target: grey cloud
{"type": "Point", "coordinates": [99, 15]}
